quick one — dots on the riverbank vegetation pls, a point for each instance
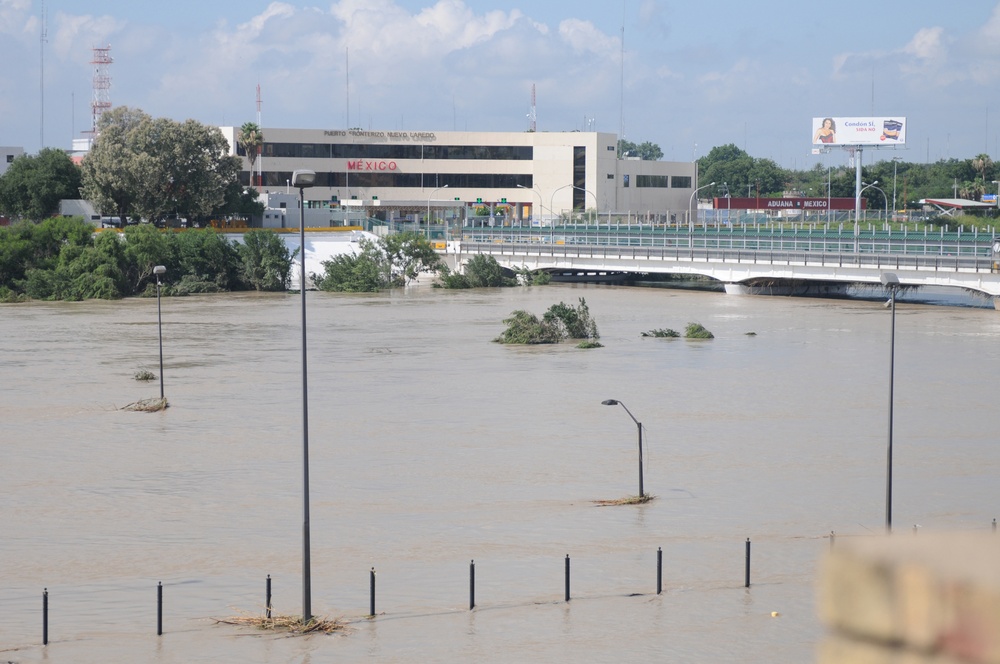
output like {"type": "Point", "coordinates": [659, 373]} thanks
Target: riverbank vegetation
{"type": "Point", "coordinates": [63, 259]}
{"type": "Point", "coordinates": [388, 262]}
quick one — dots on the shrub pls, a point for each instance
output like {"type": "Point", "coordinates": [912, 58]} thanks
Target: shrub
{"type": "Point", "coordinates": [696, 331]}
{"type": "Point", "coordinates": [662, 332]}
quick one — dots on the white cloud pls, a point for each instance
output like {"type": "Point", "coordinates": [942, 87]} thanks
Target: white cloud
{"type": "Point", "coordinates": [927, 44]}
{"type": "Point", "coordinates": [582, 36]}
{"type": "Point", "coordinates": [16, 17]}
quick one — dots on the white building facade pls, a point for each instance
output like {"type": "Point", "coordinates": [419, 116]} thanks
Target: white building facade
{"type": "Point", "coordinates": [536, 174]}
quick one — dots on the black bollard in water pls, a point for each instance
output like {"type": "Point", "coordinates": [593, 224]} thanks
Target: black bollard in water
{"type": "Point", "coordinates": [472, 584]}
{"type": "Point", "coordinates": [746, 575]}
{"type": "Point", "coordinates": [159, 608]}
{"type": "Point", "coordinates": [267, 597]}
{"type": "Point", "coordinates": [659, 570]}
{"type": "Point", "coordinates": [567, 577]}
{"type": "Point", "coordinates": [833, 536]}
{"type": "Point", "coordinates": [371, 586]}
{"type": "Point", "coordinates": [45, 617]}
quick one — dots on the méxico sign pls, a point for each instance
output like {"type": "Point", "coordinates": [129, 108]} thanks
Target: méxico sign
{"type": "Point", "coordinates": [859, 131]}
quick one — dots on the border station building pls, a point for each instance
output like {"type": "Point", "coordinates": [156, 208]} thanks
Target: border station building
{"type": "Point", "coordinates": [536, 175]}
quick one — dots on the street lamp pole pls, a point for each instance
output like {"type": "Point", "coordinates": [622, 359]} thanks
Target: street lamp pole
{"type": "Point", "coordinates": [615, 402]}
{"type": "Point", "coordinates": [895, 162]}
{"type": "Point", "coordinates": [444, 186]}
{"type": "Point", "coordinates": [158, 270]}
{"type": "Point", "coordinates": [890, 280]}
{"type": "Point", "coordinates": [691, 202]}
{"type": "Point", "coordinates": [302, 179]}
{"type": "Point", "coordinates": [552, 211]}
{"type": "Point", "coordinates": [537, 193]}
{"type": "Point", "coordinates": [884, 198]}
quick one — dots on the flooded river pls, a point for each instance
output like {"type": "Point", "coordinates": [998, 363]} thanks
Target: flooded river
{"type": "Point", "coordinates": [431, 447]}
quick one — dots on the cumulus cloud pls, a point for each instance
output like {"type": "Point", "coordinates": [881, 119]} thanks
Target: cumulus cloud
{"type": "Point", "coordinates": [583, 36]}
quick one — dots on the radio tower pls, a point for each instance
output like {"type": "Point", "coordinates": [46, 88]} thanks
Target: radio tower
{"type": "Point", "coordinates": [532, 116]}
{"type": "Point", "coordinates": [102, 85]}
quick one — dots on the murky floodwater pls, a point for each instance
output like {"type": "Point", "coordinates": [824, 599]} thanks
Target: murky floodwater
{"type": "Point", "coordinates": [431, 447]}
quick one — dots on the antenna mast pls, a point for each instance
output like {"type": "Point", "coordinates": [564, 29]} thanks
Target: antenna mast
{"type": "Point", "coordinates": [533, 116]}
{"type": "Point", "coordinates": [260, 166]}
{"type": "Point", "coordinates": [101, 101]}
{"type": "Point", "coordinates": [43, 37]}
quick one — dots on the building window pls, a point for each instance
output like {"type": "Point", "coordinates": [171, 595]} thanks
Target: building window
{"type": "Point", "coordinates": [656, 181]}
{"type": "Point", "coordinates": [10, 159]}
{"type": "Point", "coordinates": [680, 182]}
{"type": "Point", "coordinates": [611, 176]}
{"type": "Point", "coordinates": [625, 181]}
{"type": "Point", "coordinates": [611, 148]}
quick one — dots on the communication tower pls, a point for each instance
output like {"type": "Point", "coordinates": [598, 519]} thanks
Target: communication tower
{"type": "Point", "coordinates": [532, 116]}
{"type": "Point", "coordinates": [101, 100]}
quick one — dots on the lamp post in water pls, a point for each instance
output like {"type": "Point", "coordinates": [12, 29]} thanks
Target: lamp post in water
{"type": "Point", "coordinates": [301, 180]}
{"type": "Point", "coordinates": [891, 281]}
{"type": "Point", "coordinates": [158, 270]}
{"type": "Point", "coordinates": [615, 402]}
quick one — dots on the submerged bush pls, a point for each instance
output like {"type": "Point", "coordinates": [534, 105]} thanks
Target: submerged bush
{"type": "Point", "coordinates": [561, 321]}
{"type": "Point", "coordinates": [697, 331]}
{"type": "Point", "coordinates": [662, 332]}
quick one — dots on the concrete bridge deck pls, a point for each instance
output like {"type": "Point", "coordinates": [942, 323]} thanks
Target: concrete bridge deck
{"type": "Point", "coordinates": [741, 258]}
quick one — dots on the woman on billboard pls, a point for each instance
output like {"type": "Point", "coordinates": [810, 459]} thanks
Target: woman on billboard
{"type": "Point", "coordinates": [827, 133]}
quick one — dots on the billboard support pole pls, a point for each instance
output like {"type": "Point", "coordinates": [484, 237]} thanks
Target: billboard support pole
{"type": "Point", "coordinates": [857, 195]}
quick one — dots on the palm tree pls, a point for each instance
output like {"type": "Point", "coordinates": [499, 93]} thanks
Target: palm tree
{"type": "Point", "coordinates": [251, 139]}
{"type": "Point", "coordinates": [982, 163]}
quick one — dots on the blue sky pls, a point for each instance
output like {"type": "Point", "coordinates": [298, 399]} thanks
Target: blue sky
{"type": "Point", "coordinates": [695, 75]}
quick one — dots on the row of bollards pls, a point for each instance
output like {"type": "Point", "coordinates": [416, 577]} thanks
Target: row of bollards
{"type": "Point", "coordinates": [567, 595]}
{"type": "Point", "coordinates": [472, 587]}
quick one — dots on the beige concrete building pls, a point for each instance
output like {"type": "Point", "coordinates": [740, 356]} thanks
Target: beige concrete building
{"type": "Point", "coordinates": [534, 175]}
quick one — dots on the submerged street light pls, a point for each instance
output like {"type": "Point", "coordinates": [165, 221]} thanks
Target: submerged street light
{"type": "Point", "coordinates": [301, 180]}
{"type": "Point", "coordinates": [158, 270]}
{"type": "Point", "coordinates": [891, 281]}
{"type": "Point", "coordinates": [615, 402]}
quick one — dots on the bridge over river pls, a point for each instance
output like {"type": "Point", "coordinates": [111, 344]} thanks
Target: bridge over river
{"type": "Point", "coordinates": [755, 258]}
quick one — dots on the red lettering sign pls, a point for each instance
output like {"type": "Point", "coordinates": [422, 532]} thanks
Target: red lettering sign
{"type": "Point", "coordinates": [364, 165]}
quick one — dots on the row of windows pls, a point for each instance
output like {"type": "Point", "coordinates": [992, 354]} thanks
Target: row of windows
{"type": "Point", "coordinates": [366, 151]}
{"type": "Point", "coordinates": [278, 179]}
{"type": "Point", "coordinates": [659, 181]}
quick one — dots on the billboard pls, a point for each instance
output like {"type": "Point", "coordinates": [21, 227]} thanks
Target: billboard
{"type": "Point", "coordinates": [859, 131]}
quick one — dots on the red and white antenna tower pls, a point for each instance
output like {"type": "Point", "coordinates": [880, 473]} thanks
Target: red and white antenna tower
{"type": "Point", "coordinates": [532, 116]}
{"type": "Point", "coordinates": [101, 101]}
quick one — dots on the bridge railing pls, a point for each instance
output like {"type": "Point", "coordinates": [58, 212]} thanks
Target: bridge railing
{"type": "Point", "coordinates": [826, 241]}
{"type": "Point", "coordinates": [965, 262]}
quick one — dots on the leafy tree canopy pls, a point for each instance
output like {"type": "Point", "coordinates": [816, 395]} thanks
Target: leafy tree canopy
{"type": "Point", "coordinates": [149, 167]}
{"type": "Point", "coordinates": [646, 151]}
{"type": "Point", "coordinates": [32, 186]}
{"type": "Point", "coordinates": [389, 262]}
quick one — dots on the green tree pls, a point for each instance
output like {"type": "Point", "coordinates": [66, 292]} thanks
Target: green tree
{"type": "Point", "coordinates": [265, 260]}
{"type": "Point", "coordinates": [32, 186]}
{"type": "Point", "coordinates": [206, 262]}
{"type": "Point", "coordinates": [646, 150]}
{"type": "Point", "coordinates": [389, 262]}
{"type": "Point", "coordinates": [482, 271]}
{"type": "Point", "coordinates": [560, 322]}
{"type": "Point", "coordinates": [145, 167]}
{"type": "Point", "coordinates": [366, 272]}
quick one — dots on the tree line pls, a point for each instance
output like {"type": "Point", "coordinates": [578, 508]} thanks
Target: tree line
{"type": "Point", "coordinates": [62, 258]}
{"type": "Point", "coordinates": [744, 175]}
{"type": "Point", "coordinates": [139, 167]}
